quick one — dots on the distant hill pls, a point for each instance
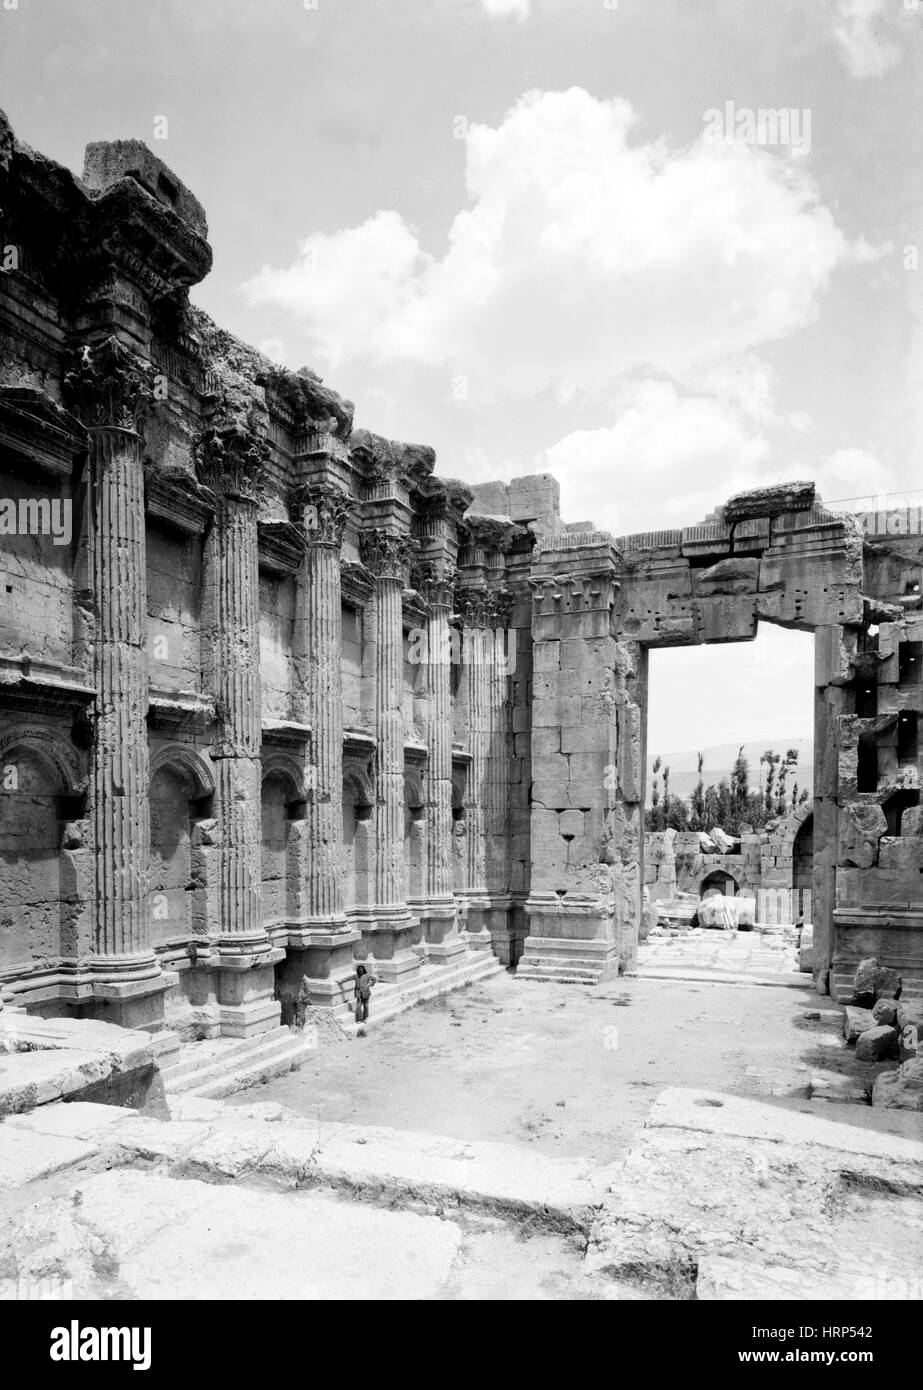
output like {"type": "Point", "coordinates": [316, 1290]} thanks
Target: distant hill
{"type": "Point", "coordinates": [720, 759]}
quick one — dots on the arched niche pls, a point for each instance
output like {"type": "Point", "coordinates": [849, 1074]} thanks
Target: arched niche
{"type": "Point", "coordinates": [358, 800]}
{"type": "Point", "coordinates": [414, 834]}
{"type": "Point", "coordinates": [42, 788]}
{"type": "Point", "coordinates": [180, 791]}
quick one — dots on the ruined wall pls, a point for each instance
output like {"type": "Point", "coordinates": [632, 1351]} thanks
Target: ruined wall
{"type": "Point", "coordinates": [218, 759]}
{"type": "Point", "coordinates": [285, 698]}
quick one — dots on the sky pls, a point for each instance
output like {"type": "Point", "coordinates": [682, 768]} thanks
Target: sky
{"type": "Point", "coordinates": [545, 235]}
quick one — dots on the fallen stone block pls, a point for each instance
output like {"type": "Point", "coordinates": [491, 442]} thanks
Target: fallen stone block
{"type": "Point", "coordinates": [901, 1089]}
{"type": "Point", "coordinates": [856, 1021]}
{"type": "Point", "coordinates": [885, 1012]}
{"type": "Point", "coordinates": [877, 1044]}
{"type": "Point", "coordinates": [873, 981]}
{"type": "Point", "coordinates": [910, 1014]}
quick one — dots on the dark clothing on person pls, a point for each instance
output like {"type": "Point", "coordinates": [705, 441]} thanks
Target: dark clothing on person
{"type": "Point", "coordinates": [364, 983]}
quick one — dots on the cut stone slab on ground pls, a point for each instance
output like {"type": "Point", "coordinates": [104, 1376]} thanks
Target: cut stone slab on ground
{"type": "Point", "coordinates": [715, 1176]}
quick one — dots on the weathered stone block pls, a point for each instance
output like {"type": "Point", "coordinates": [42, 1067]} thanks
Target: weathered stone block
{"type": "Point", "coordinates": [885, 1012]}
{"type": "Point", "coordinates": [877, 1044]}
{"type": "Point", "coordinates": [901, 1089]}
{"type": "Point", "coordinates": [859, 830]}
{"type": "Point", "coordinates": [856, 1021]}
{"type": "Point", "coordinates": [873, 981]}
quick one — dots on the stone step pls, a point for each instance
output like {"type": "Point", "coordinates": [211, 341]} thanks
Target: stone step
{"type": "Point", "coordinates": [390, 1000]}
{"type": "Point", "coordinates": [262, 1067]}
{"type": "Point", "coordinates": [194, 1056]}
{"type": "Point", "coordinates": [564, 974]}
{"type": "Point", "coordinates": [227, 1064]}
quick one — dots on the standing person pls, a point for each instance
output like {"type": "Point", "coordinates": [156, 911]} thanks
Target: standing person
{"type": "Point", "coordinates": [364, 983]}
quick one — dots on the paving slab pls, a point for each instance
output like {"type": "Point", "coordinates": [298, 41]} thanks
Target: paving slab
{"type": "Point", "coordinates": [141, 1235]}
{"type": "Point", "coordinates": [713, 1175]}
{"type": "Point", "coordinates": [26, 1156]}
{"type": "Point", "coordinates": [75, 1120]}
{"type": "Point", "coordinates": [28, 1079]}
{"type": "Point", "coordinates": [396, 1165]}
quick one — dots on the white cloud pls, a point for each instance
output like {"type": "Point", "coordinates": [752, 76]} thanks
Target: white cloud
{"type": "Point", "coordinates": [862, 29]}
{"type": "Point", "coordinates": [667, 461]}
{"type": "Point", "coordinates": [851, 473]}
{"type": "Point", "coordinates": [499, 8]}
{"type": "Point", "coordinates": [582, 257]}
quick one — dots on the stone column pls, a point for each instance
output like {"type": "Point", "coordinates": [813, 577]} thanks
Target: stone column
{"type": "Point", "coordinates": [434, 582]}
{"type": "Point", "coordinates": [484, 612]}
{"type": "Point", "coordinates": [390, 935]}
{"type": "Point", "coordinates": [321, 947]}
{"type": "Point", "coordinates": [111, 390]}
{"type": "Point", "coordinates": [230, 464]}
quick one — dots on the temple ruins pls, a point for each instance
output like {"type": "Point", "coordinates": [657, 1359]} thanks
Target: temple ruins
{"type": "Point", "coordinates": [277, 696]}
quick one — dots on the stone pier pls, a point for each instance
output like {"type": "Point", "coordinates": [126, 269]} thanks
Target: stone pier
{"type": "Point", "coordinates": [579, 831]}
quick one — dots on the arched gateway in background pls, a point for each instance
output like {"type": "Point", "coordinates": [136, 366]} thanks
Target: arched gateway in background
{"type": "Point", "coordinates": [284, 699]}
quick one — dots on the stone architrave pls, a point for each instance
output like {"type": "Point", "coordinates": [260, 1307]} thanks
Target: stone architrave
{"type": "Point", "coordinates": [389, 933]}
{"type": "Point", "coordinates": [111, 390]}
{"type": "Point", "coordinates": [231, 464]}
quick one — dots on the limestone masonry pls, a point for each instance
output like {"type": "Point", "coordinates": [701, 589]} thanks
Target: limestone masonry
{"type": "Point", "coordinates": [275, 697]}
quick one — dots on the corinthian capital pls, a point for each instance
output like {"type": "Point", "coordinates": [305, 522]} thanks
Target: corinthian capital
{"type": "Point", "coordinates": [385, 556]}
{"type": "Point", "coordinates": [232, 462]}
{"type": "Point", "coordinates": [322, 511]}
{"type": "Point", "coordinates": [109, 385]}
{"type": "Point", "coordinates": [484, 607]}
{"type": "Point", "coordinates": [434, 581]}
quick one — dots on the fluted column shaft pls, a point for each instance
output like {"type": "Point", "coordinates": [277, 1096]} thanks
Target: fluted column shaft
{"type": "Point", "coordinates": [320, 698]}
{"type": "Point", "coordinates": [390, 873]}
{"type": "Point", "coordinates": [233, 564]}
{"type": "Point", "coordinates": [439, 744]}
{"type": "Point", "coordinates": [110, 388]}
{"type": "Point", "coordinates": [231, 463]}
{"type": "Point", "coordinates": [119, 767]}
{"type": "Point", "coordinates": [496, 809]}
{"type": "Point", "coordinates": [386, 555]}
{"type": "Point", "coordinates": [478, 688]}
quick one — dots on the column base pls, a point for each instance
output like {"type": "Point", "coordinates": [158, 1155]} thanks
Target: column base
{"type": "Point", "coordinates": [319, 967]}
{"type": "Point", "coordinates": [126, 990]}
{"type": "Point", "coordinates": [389, 935]}
{"type": "Point", "coordinates": [442, 940]}
{"type": "Point", "coordinates": [245, 986]}
{"type": "Point", "coordinates": [571, 939]}
{"type": "Point", "coordinates": [487, 919]}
